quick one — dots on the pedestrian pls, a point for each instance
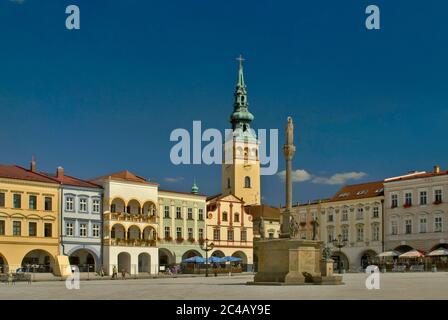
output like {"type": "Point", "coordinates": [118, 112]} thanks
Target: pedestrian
{"type": "Point", "coordinates": [215, 268]}
{"type": "Point", "coordinates": [102, 271]}
{"type": "Point", "coordinates": [11, 279]}
{"type": "Point", "coordinates": [114, 273]}
{"type": "Point", "coordinates": [123, 274]}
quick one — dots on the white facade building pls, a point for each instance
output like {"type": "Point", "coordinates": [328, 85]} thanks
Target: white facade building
{"type": "Point", "coordinates": [416, 211]}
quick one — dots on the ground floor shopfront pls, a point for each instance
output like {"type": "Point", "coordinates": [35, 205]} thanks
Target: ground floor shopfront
{"type": "Point", "coordinates": [86, 256]}
{"type": "Point", "coordinates": [32, 257]}
{"type": "Point", "coordinates": [355, 259]}
{"type": "Point", "coordinates": [132, 260]}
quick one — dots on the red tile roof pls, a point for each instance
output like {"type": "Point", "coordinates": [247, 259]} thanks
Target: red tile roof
{"type": "Point", "coordinates": [20, 173]}
{"type": "Point", "coordinates": [72, 181]}
{"type": "Point", "coordinates": [359, 191]}
{"type": "Point", "coordinates": [126, 175]}
{"type": "Point", "coordinates": [419, 175]}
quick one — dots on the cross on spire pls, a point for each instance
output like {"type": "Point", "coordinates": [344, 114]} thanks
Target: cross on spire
{"type": "Point", "coordinates": [240, 59]}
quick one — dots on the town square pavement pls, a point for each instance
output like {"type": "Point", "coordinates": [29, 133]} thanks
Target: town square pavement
{"type": "Point", "coordinates": [392, 286]}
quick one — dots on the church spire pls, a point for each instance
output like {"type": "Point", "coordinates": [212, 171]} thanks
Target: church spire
{"type": "Point", "coordinates": [241, 117]}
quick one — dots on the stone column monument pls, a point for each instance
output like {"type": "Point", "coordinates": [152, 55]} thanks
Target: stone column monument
{"type": "Point", "coordinates": [289, 149]}
{"type": "Point", "coordinates": [289, 260]}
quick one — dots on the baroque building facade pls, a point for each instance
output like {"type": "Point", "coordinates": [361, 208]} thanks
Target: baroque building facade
{"type": "Point", "coordinates": [230, 228]}
{"type": "Point", "coordinates": [354, 217]}
{"type": "Point", "coordinates": [81, 221]}
{"type": "Point", "coordinates": [182, 228]}
{"type": "Point", "coordinates": [130, 223]}
{"type": "Point", "coordinates": [416, 211]}
{"type": "Point", "coordinates": [29, 221]}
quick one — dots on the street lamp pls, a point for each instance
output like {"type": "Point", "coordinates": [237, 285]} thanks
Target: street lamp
{"type": "Point", "coordinates": [207, 247]}
{"type": "Point", "coordinates": [339, 243]}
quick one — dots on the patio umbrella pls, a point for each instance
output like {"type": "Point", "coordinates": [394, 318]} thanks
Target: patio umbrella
{"type": "Point", "coordinates": [386, 254]}
{"type": "Point", "coordinates": [195, 259]}
{"type": "Point", "coordinates": [412, 254]}
{"type": "Point", "coordinates": [213, 259]}
{"type": "Point", "coordinates": [438, 253]}
{"type": "Point", "coordinates": [233, 259]}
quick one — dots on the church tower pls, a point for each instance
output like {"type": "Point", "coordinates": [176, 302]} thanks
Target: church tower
{"type": "Point", "coordinates": [241, 167]}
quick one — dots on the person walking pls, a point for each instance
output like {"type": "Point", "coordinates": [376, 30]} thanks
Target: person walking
{"type": "Point", "coordinates": [123, 274]}
{"type": "Point", "coordinates": [114, 273]}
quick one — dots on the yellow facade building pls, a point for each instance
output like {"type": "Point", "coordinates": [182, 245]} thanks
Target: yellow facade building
{"type": "Point", "coordinates": [230, 228]}
{"type": "Point", "coordinates": [29, 221]}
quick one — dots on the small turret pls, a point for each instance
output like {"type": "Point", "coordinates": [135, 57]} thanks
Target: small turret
{"type": "Point", "coordinates": [194, 188]}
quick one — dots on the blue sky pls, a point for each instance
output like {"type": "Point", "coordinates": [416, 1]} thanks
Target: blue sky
{"type": "Point", "coordinates": [106, 97]}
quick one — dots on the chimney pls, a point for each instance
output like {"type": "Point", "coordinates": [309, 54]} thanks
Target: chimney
{"type": "Point", "coordinates": [33, 164]}
{"type": "Point", "coordinates": [59, 172]}
{"type": "Point", "coordinates": [436, 169]}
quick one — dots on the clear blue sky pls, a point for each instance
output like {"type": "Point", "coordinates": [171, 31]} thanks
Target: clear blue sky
{"type": "Point", "coordinates": [105, 98]}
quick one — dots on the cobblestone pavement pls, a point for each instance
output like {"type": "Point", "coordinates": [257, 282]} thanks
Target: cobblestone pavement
{"type": "Point", "coordinates": [393, 286]}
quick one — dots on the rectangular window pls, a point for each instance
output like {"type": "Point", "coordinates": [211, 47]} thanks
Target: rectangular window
{"type": "Point", "coordinates": [375, 232]}
{"type": "Point", "coordinates": [408, 226]}
{"type": "Point", "coordinates": [2, 228]}
{"type": "Point", "coordinates": [237, 217]}
{"type": "Point", "coordinates": [16, 228]}
{"type": "Point", "coordinates": [244, 235]}
{"type": "Point", "coordinates": [48, 230]}
{"type": "Point", "coordinates": [376, 212]}
{"type": "Point", "coordinates": [438, 224]}
{"type": "Point", "coordinates": [423, 225]}
{"type": "Point", "coordinates": [394, 227]}
{"type": "Point", "coordinates": [344, 215]}
{"type": "Point", "coordinates": [360, 233]}
{"type": "Point", "coordinates": [96, 206]}
{"type": "Point", "coordinates": [423, 198]}
{"type": "Point", "coordinates": [32, 203]}
{"type": "Point", "coordinates": [360, 214]}
{"type": "Point", "coordinates": [345, 234]}
{"type": "Point", "coordinates": [394, 200]}
{"type": "Point", "coordinates": [69, 229]}
{"type": "Point", "coordinates": [178, 213]}
{"type": "Point", "coordinates": [330, 217]}
{"type": "Point", "coordinates": [216, 235]}
{"type": "Point", "coordinates": [330, 235]}
{"type": "Point", "coordinates": [179, 232]}
{"type": "Point", "coordinates": [190, 213]}
{"type": "Point", "coordinates": [230, 235]}
{"type": "Point", "coordinates": [201, 233]}
{"type": "Point", "coordinates": [32, 229]}
{"type": "Point", "coordinates": [69, 203]}
{"type": "Point", "coordinates": [83, 229]}
{"type": "Point", "coordinates": [96, 230]}
{"type": "Point", "coordinates": [2, 199]}
{"type": "Point", "coordinates": [201, 214]}
{"type": "Point", "coordinates": [83, 205]}
{"type": "Point", "coordinates": [408, 199]}
{"type": "Point", "coordinates": [438, 196]}
{"type": "Point", "coordinates": [190, 233]}
{"type": "Point", "coordinates": [48, 204]}
{"type": "Point", "coordinates": [17, 201]}
{"type": "Point", "coordinates": [166, 211]}
{"type": "Point", "coordinates": [225, 216]}
{"type": "Point", "coordinates": [167, 232]}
